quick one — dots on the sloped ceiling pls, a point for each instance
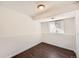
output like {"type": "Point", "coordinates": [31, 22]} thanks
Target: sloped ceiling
{"type": "Point", "coordinates": [30, 7]}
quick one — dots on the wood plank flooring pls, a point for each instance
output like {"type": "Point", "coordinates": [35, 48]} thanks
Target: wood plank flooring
{"type": "Point", "coordinates": [44, 50]}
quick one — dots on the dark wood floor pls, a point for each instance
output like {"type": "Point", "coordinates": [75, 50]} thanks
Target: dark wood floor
{"type": "Point", "coordinates": [44, 50]}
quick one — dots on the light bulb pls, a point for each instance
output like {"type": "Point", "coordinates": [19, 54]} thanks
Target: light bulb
{"type": "Point", "coordinates": [41, 7]}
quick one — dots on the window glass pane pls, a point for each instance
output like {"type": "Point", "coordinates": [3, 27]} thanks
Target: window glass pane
{"type": "Point", "coordinates": [59, 26]}
{"type": "Point", "coordinates": [52, 27]}
{"type": "Point", "coordinates": [56, 27]}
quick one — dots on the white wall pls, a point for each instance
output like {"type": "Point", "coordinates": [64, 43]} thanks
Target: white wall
{"type": "Point", "coordinates": [77, 32]}
{"type": "Point", "coordinates": [69, 26]}
{"type": "Point", "coordinates": [15, 23]}
{"type": "Point", "coordinates": [18, 32]}
{"type": "Point", "coordinates": [71, 42]}
{"type": "Point", "coordinates": [58, 17]}
{"type": "Point", "coordinates": [61, 40]}
{"type": "Point", "coordinates": [45, 27]}
{"type": "Point", "coordinates": [66, 40]}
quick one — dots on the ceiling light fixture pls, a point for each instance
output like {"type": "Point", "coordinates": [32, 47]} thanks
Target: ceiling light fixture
{"type": "Point", "coordinates": [41, 6]}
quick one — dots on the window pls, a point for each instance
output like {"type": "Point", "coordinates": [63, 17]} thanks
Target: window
{"type": "Point", "coordinates": [53, 26]}
{"type": "Point", "coordinates": [56, 27]}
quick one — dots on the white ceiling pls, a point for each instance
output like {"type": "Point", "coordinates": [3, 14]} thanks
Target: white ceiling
{"type": "Point", "coordinates": [29, 7]}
